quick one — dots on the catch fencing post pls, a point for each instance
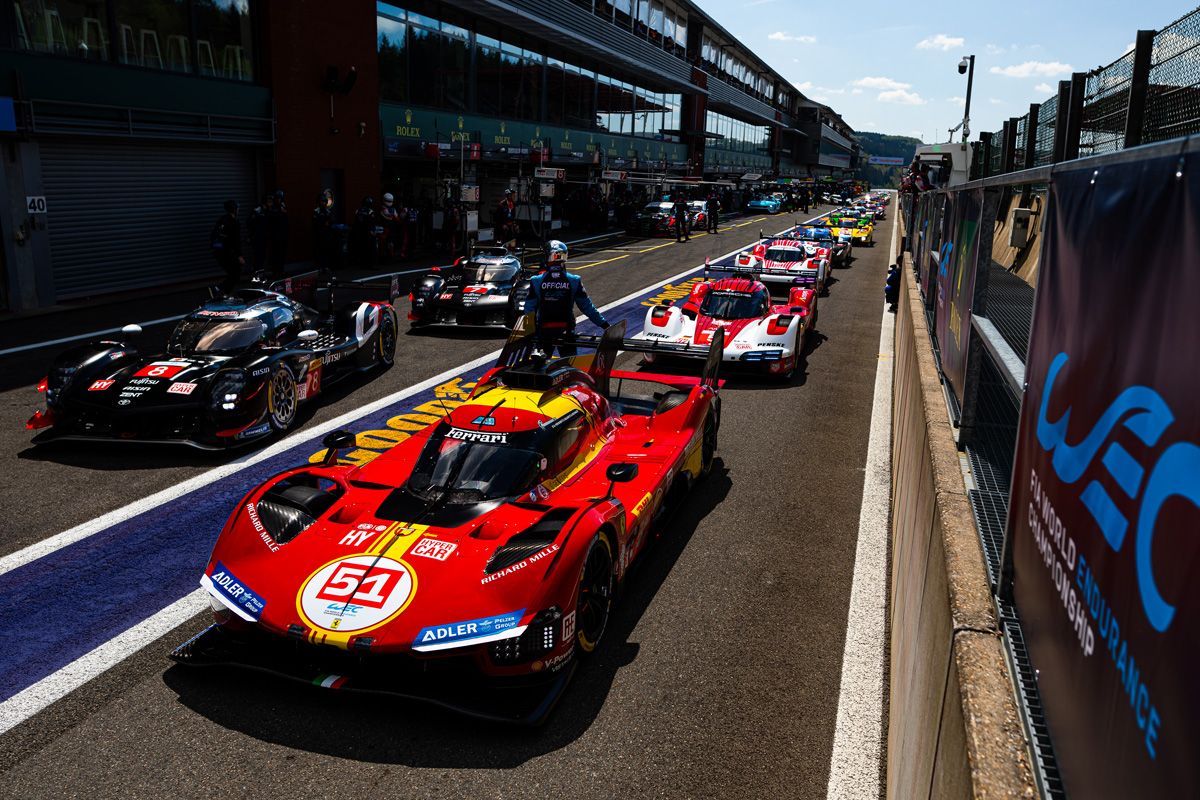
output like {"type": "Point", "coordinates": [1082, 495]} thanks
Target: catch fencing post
{"type": "Point", "coordinates": [1139, 84]}
{"type": "Point", "coordinates": [1060, 121]}
{"type": "Point", "coordinates": [1075, 115]}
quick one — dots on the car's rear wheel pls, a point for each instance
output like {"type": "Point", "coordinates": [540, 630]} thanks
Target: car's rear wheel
{"type": "Point", "coordinates": [596, 584]}
{"type": "Point", "coordinates": [282, 399]}
{"type": "Point", "coordinates": [387, 341]}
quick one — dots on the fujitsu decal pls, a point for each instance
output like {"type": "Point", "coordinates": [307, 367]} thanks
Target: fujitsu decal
{"type": "Point", "coordinates": [1175, 474]}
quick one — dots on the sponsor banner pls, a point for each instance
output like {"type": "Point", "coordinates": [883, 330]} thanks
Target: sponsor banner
{"type": "Point", "coordinates": [891, 161]}
{"type": "Point", "coordinates": [956, 288]}
{"type": "Point", "coordinates": [238, 597]}
{"type": "Point", "coordinates": [1105, 504]}
{"type": "Point", "coordinates": [472, 631]}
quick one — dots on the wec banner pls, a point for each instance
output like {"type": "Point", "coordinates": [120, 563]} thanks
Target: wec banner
{"type": "Point", "coordinates": [956, 285]}
{"type": "Point", "coordinates": [1104, 518]}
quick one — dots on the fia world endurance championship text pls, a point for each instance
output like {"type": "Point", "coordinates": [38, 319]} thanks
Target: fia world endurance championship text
{"type": "Point", "coordinates": [1061, 558]}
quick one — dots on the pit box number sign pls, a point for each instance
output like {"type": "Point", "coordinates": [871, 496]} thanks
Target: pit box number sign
{"type": "Point", "coordinates": [35, 204]}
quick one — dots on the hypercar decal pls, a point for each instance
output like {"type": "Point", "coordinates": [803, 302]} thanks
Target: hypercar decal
{"type": "Point", "coordinates": [436, 549]}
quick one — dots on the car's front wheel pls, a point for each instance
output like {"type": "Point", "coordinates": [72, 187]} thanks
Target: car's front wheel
{"type": "Point", "coordinates": [387, 341]}
{"type": "Point", "coordinates": [596, 585]}
{"type": "Point", "coordinates": [282, 399]}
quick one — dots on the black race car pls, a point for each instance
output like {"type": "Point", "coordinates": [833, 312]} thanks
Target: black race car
{"type": "Point", "coordinates": [235, 370]}
{"type": "Point", "coordinates": [488, 287]}
{"type": "Point", "coordinates": [656, 219]}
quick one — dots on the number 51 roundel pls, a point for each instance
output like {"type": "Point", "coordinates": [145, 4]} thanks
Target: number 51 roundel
{"type": "Point", "coordinates": [356, 593]}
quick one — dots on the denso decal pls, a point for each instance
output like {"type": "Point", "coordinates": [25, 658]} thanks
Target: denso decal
{"type": "Point", "coordinates": [181, 388]}
{"type": "Point", "coordinates": [100, 386]}
{"type": "Point", "coordinates": [455, 633]}
{"type": "Point", "coordinates": [520, 565]}
{"type": "Point", "coordinates": [226, 587]}
{"type": "Point", "coordinates": [433, 548]}
{"type": "Point", "coordinates": [477, 436]}
{"type": "Point", "coordinates": [356, 593]}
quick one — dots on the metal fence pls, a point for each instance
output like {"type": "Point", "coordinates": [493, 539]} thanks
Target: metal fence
{"type": "Point", "coordinates": [1149, 94]}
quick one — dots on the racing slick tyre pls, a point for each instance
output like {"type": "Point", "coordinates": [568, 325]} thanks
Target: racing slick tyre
{"type": "Point", "coordinates": [282, 399]}
{"type": "Point", "coordinates": [385, 343]}
{"type": "Point", "coordinates": [596, 585]}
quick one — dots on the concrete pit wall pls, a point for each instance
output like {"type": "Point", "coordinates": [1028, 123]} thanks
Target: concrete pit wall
{"type": "Point", "coordinates": [954, 729]}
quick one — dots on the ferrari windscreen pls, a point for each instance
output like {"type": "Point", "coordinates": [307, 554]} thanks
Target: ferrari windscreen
{"type": "Point", "coordinates": [215, 335]}
{"type": "Point", "coordinates": [471, 466]}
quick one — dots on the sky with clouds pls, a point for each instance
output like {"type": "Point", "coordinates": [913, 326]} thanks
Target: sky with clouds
{"type": "Point", "coordinates": [892, 67]}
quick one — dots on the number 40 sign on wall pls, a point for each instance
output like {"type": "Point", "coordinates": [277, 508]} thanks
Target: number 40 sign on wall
{"type": "Point", "coordinates": [35, 204]}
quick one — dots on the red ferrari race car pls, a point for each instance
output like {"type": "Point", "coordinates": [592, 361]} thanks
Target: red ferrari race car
{"type": "Point", "coordinates": [490, 545]}
{"type": "Point", "coordinates": [755, 332]}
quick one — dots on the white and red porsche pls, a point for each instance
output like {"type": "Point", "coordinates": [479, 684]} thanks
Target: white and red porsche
{"type": "Point", "coordinates": [758, 333]}
{"type": "Point", "coordinates": [784, 263]}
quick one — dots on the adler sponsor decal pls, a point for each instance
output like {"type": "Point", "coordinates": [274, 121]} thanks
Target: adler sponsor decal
{"type": "Point", "coordinates": [520, 565]}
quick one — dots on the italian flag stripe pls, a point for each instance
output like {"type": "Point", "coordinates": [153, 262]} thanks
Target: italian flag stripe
{"type": "Point", "coordinates": [329, 681]}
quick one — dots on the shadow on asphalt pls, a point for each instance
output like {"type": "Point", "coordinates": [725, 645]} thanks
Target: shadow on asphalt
{"type": "Point", "coordinates": [462, 332]}
{"type": "Point", "coordinates": [395, 731]}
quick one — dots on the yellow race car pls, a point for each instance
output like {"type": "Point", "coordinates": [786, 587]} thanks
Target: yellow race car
{"type": "Point", "coordinates": [857, 232]}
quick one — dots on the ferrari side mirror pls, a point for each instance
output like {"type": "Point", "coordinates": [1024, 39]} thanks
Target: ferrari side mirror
{"type": "Point", "coordinates": [335, 441]}
{"type": "Point", "coordinates": [620, 473]}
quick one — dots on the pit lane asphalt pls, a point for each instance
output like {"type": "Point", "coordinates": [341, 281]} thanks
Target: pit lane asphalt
{"type": "Point", "coordinates": [719, 673]}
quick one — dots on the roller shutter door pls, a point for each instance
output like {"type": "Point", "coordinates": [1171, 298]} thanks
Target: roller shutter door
{"type": "Point", "coordinates": [127, 215]}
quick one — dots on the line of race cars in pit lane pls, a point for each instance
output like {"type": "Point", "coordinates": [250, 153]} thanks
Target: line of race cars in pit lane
{"type": "Point", "coordinates": [491, 536]}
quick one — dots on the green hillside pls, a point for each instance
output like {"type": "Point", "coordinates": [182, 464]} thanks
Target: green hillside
{"type": "Point", "coordinates": [883, 144]}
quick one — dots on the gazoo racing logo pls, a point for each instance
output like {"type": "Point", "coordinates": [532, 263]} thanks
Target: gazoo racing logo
{"type": "Point", "coordinates": [1175, 474]}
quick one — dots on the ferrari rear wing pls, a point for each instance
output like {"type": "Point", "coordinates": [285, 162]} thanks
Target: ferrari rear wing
{"type": "Point", "coordinates": [520, 348]}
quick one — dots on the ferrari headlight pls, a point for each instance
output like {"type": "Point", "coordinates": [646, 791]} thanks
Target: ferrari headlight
{"type": "Point", "coordinates": [537, 640]}
{"type": "Point", "coordinates": [226, 388]}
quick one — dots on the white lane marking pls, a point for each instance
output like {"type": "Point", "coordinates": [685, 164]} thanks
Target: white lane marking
{"type": "Point", "coordinates": [858, 733]}
{"type": "Point", "coordinates": [32, 699]}
{"type": "Point", "coordinates": [82, 531]}
{"type": "Point", "coordinates": [390, 274]}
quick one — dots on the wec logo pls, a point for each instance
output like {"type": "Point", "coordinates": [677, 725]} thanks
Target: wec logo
{"type": "Point", "coordinates": [1176, 474]}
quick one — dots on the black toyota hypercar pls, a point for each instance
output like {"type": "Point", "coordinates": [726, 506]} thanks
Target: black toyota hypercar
{"type": "Point", "coordinates": [235, 370]}
{"type": "Point", "coordinates": [488, 287]}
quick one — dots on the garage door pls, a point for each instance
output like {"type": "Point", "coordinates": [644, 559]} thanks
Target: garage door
{"type": "Point", "coordinates": [128, 216]}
